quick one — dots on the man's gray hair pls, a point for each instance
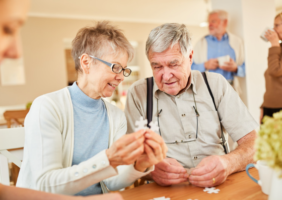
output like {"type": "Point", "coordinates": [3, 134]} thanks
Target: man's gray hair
{"type": "Point", "coordinates": [222, 14]}
{"type": "Point", "coordinates": [167, 35]}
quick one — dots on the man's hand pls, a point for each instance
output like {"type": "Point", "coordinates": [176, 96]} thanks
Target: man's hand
{"type": "Point", "coordinates": [229, 66]}
{"type": "Point", "coordinates": [169, 172]}
{"type": "Point", "coordinates": [155, 151]}
{"type": "Point", "coordinates": [272, 37]}
{"type": "Point", "coordinates": [211, 64]}
{"type": "Point", "coordinates": [211, 171]}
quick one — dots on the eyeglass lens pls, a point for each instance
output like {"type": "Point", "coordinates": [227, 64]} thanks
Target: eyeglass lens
{"type": "Point", "coordinates": [118, 68]}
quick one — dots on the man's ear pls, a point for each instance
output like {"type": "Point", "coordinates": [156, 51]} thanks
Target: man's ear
{"type": "Point", "coordinates": [85, 63]}
{"type": "Point", "coordinates": [191, 56]}
{"type": "Point", "coordinates": [225, 22]}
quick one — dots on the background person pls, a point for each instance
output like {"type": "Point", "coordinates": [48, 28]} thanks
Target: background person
{"type": "Point", "coordinates": [272, 101]}
{"type": "Point", "coordinates": [12, 17]}
{"type": "Point", "coordinates": [219, 43]}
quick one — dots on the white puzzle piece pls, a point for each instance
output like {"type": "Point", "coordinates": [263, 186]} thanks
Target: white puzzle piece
{"type": "Point", "coordinates": [154, 126]}
{"type": "Point", "coordinates": [211, 190]}
{"type": "Point", "coordinates": [141, 124]}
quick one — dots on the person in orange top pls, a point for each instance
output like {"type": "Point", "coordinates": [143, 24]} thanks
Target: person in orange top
{"type": "Point", "coordinates": [272, 102]}
{"type": "Point", "coordinates": [12, 17]}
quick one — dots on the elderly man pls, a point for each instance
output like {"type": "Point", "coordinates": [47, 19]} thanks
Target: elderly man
{"type": "Point", "coordinates": [188, 120]}
{"type": "Point", "coordinates": [217, 44]}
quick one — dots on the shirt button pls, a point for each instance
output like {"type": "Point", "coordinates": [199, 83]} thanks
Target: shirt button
{"type": "Point", "coordinates": [189, 136]}
{"type": "Point", "coordinates": [195, 157]}
{"type": "Point", "coordinates": [85, 170]}
{"type": "Point", "coordinates": [76, 174]}
{"type": "Point", "coordinates": [103, 162]}
{"type": "Point", "coordinates": [94, 166]}
{"type": "Point", "coordinates": [183, 115]}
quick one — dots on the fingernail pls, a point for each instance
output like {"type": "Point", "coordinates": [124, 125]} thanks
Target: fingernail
{"type": "Point", "coordinates": [147, 135]}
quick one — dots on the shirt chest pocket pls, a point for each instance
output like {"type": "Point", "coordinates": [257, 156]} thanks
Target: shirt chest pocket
{"type": "Point", "coordinates": [209, 128]}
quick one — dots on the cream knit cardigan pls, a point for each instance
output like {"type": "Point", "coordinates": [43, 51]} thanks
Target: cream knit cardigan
{"type": "Point", "coordinates": [48, 150]}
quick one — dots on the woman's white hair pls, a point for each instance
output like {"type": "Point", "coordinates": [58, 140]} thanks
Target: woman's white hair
{"type": "Point", "coordinates": [167, 35]}
{"type": "Point", "coordinates": [221, 13]}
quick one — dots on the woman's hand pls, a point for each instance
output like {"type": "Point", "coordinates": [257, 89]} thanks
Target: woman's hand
{"type": "Point", "coordinates": [154, 151]}
{"type": "Point", "coordinates": [126, 149]}
{"type": "Point", "coordinates": [272, 37]}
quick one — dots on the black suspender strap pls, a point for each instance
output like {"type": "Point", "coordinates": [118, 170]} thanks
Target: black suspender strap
{"type": "Point", "coordinates": [208, 86]}
{"type": "Point", "coordinates": [224, 142]}
{"type": "Point", "coordinates": [150, 85]}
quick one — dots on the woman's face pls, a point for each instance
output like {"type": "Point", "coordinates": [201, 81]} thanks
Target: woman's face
{"type": "Point", "coordinates": [278, 27]}
{"type": "Point", "coordinates": [101, 79]}
{"type": "Point", "coordinates": [12, 16]}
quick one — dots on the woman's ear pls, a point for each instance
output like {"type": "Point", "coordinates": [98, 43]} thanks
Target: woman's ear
{"type": "Point", "coordinates": [85, 62]}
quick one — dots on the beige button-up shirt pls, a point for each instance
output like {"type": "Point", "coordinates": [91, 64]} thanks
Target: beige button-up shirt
{"type": "Point", "coordinates": [178, 121]}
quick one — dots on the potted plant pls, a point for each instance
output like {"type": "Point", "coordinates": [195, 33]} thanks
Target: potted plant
{"type": "Point", "coordinates": [269, 149]}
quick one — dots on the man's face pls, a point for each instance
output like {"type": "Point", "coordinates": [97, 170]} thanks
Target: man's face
{"type": "Point", "coordinates": [216, 25]}
{"type": "Point", "coordinates": [170, 69]}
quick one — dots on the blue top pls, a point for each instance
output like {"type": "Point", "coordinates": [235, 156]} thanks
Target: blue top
{"type": "Point", "coordinates": [217, 48]}
{"type": "Point", "coordinates": [91, 130]}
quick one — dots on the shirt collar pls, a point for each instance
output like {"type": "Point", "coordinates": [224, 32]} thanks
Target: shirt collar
{"type": "Point", "coordinates": [191, 84]}
{"type": "Point", "coordinates": [224, 37]}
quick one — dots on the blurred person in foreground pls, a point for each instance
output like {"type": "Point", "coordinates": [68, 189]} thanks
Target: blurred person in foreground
{"type": "Point", "coordinates": [272, 101]}
{"type": "Point", "coordinates": [75, 141]}
{"type": "Point", "coordinates": [189, 121]}
{"type": "Point", "coordinates": [12, 17]}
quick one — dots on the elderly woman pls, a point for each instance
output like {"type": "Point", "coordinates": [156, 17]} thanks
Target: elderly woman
{"type": "Point", "coordinates": [12, 17]}
{"type": "Point", "coordinates": [75, 139]}
{"type": "Point", "coordinates": [272, 101]}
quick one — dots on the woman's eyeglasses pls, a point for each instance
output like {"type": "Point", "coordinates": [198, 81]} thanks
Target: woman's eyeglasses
{"type": "Point", "coordinates": [116, 68]}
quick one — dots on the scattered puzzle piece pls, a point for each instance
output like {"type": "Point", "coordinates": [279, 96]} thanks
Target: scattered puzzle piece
{"type": "Point", "coordinates": [160, 198]}
{"type": "Point", "coordinates": [211, 190]}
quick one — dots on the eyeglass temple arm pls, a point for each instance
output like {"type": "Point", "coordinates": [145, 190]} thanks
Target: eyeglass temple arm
{"type": "Point", "coordinates": [105, 62]}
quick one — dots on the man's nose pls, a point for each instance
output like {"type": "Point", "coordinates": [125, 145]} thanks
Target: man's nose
{"type": "Point", "coordinates": [167, 74]}
{"type": "Point", "coordinates": [14, 50]}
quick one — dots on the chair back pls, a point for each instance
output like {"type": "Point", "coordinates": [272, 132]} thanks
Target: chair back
{"type": "Point", "coordinates": [4, 171]}
{"type": "Point", "coordinates": [17, 115]}
{"type": "Point", "coordinates": [11, 139]}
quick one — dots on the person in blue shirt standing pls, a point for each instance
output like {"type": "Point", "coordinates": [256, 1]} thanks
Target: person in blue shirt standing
{"type": "Point", "coordinates": [220, 43]}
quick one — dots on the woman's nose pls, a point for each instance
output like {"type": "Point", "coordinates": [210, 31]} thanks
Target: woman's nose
{"type": "Point", "coordinates": [120, 76]}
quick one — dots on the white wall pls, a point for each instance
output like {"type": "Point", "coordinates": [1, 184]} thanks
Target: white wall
{"type": "Point", "coordinates": [44, 58]}
{"type": "Point", "coordinates": [248, 18]}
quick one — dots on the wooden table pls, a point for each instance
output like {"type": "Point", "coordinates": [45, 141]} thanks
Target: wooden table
{"type": "Point", "coordinates": [238, 186]}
